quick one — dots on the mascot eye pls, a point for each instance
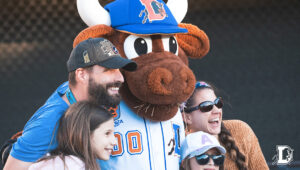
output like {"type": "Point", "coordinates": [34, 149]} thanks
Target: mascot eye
{"type": "Point", "coordinates": [140, 46]}
{"type": "Point", "coordinates": [170, 44]}
{"type": "Point", "coordinates": [135, 46]}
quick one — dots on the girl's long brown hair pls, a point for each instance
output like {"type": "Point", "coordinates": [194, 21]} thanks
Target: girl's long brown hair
{"type": "Point", "coordinates": [225, 137]}
{"type": "Point", "coordinates": [74, 133]}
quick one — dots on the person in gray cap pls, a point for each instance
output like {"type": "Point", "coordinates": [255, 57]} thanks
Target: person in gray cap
{"type": "Point", "coordinates": [94, 75]}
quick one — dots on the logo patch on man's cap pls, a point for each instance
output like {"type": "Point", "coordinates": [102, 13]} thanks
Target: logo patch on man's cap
{"type": "Point", "coordinates": [108, 48]}
{"type": "Point", "coordinates": [86, 57]}
{"type": "Point", "coordinates": [154, 10]}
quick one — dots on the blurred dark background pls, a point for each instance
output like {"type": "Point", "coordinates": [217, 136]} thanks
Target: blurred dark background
{"type": "Point", "coordinates": [254, 61]}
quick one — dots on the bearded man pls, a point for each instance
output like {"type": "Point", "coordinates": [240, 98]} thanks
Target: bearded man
{"type": "Point", "coordinates": [94, 75]}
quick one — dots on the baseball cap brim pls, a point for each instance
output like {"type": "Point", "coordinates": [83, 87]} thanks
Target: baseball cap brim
{"type": "Point", "coordinates": [145, 29]}
{"type": "Point", "coordinates": [118, 62]}
{"type": "Point", "coordinates": [205, 149]}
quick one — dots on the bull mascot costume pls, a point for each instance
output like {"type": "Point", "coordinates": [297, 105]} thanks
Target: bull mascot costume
{"type": "Point", "coordinates": [148, 125]}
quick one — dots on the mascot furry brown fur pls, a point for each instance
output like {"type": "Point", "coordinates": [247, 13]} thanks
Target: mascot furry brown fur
{"type": "Point", "coordinates": [148, 125]}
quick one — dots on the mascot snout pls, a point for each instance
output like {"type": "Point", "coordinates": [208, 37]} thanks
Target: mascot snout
{"type": "Point", "coordinates": [162, 78]}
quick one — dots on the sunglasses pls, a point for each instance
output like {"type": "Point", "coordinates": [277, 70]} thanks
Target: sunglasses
{"type": "Point", "coordinates": [206, 106]}
{"type": "Point", "coordinates": [204, 159]}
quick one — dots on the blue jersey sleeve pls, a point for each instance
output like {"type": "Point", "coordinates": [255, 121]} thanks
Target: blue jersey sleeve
{"type": "Point", "coordinates": [39, 134]}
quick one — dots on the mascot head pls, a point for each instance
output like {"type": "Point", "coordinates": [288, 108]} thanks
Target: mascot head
{"type": "Point", "coordinates": [147, 31]}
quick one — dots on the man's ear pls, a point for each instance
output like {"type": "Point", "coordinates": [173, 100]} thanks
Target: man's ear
{"type": "Point", "coordinates": [82, 76]}
{"type": "Point", "coordinates": [195, 43]}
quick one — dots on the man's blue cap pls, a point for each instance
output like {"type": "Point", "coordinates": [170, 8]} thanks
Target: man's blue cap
{"type": "Point", "coordinates": [143, 17]}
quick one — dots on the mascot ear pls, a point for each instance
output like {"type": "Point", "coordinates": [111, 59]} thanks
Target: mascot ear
{"type": "Point", "coordinates": [195, 43]}
{"type": "Point", "coordinates": [93, 32]}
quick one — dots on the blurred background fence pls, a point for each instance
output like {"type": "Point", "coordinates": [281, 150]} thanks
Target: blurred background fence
{"type": "Point", "coordinates": [254, 61]}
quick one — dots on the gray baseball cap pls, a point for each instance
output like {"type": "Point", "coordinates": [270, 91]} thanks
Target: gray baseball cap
{"type": "Point", "coordinates": [98, 51]}
{"type": "Point", "coordinates": [197, 143]}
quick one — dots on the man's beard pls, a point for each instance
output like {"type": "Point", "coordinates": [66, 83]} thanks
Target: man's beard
{"type": "Point", "coordinates": [99, 95]}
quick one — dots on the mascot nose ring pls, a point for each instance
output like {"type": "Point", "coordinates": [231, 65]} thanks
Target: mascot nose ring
{"type": "Point", "coordinates": [188, 78]}
{"type": "Point", "coordinates": [158, 79]}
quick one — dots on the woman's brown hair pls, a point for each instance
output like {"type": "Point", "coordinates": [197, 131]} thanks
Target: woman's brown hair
{"type": "Point", "coordinates": [225, 136]}
{"type": "Point", "coordinates": [74, 133]}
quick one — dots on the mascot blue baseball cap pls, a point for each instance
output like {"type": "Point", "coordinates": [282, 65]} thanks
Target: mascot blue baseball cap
{"type": "Point", "coordinates": [143, 17]}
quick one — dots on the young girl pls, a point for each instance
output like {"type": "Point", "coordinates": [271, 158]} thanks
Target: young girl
{"type": "Point", "coordinates": [203, 112]}
{"type": "Point", "coordinates": [85, 133]}
{"type": "Point", "coordinates": [202, 151]}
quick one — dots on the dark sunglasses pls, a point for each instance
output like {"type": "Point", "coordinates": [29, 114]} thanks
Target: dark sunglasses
{"type": "Point", "coordinates": [204, 159]}
{"type": "Point", "coordinates": [206, 106]}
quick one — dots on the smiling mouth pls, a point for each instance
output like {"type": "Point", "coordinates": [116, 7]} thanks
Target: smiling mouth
{"type": "Point", "coordinates": [214, 121]}
{"type": "Point", "coordinates": [113, 90]}
{"type": "Point", "coordinates": [109, 150]}
{"type": "Point", "coordinates": [114, 86]}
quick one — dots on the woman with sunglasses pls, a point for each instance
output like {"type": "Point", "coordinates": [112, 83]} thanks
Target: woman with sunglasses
{"type": "Point", "coordinates": [202, 151]}
{"type": "Point", "coordinates": [203, 112]}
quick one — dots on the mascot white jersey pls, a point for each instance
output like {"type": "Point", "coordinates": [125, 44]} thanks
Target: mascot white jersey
{"type": "Point", "coordinates": [145, 144]}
